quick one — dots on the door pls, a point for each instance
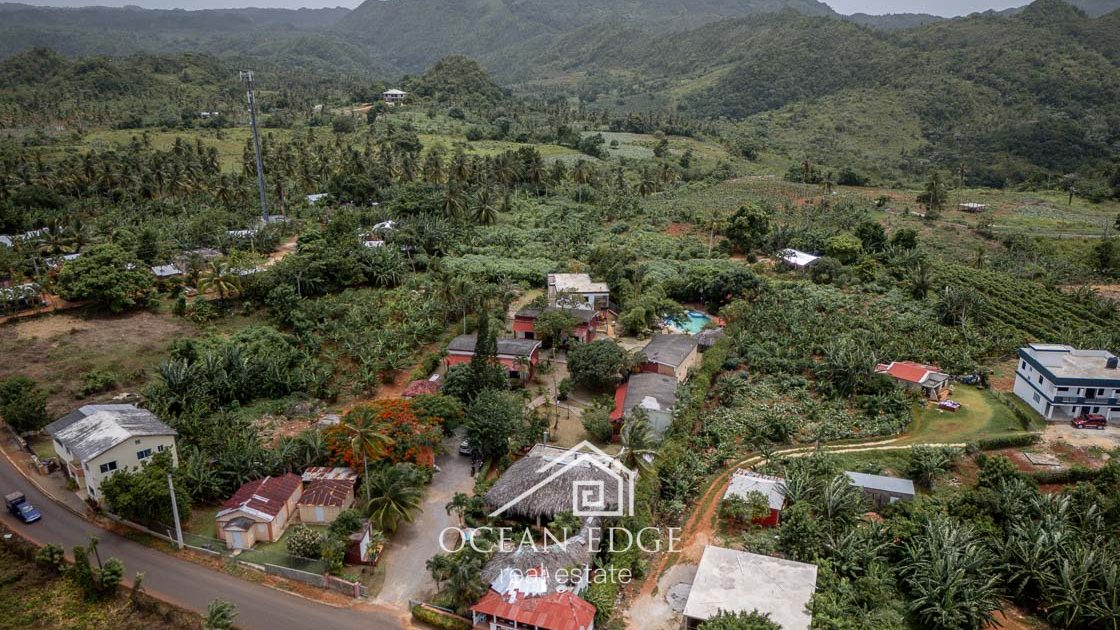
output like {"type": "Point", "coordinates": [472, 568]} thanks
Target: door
{"type": "Point", "coordinates": [319, 516]}
{"type": "Point", "coordinates": [238, 540]}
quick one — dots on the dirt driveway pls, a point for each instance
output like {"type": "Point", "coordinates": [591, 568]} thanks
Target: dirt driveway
{"type": "Point", "coordinates": [404, 559]}
{"type": "Point", "coordinates": [1082, 438]}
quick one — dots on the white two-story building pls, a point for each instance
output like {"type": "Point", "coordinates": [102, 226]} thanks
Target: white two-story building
{"type": "Point", "coordinates": [1062, 382]}
{"type": "Point", "coordinates": [95, 441]}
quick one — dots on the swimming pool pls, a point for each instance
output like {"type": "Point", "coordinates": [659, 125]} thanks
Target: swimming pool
{"type": "Point", "coordinates": [694, 322]}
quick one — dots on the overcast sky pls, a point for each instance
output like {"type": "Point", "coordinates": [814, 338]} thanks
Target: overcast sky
{"type": "Point", "coordinates": [946, 8]}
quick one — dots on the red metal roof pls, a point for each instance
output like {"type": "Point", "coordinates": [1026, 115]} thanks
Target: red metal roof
{"type": "Point", "coordinates": [555, 611]}
{"type": "Point", "coordinates": [333, 492]}
{"type": "Point", "coordinates": [266, 495]}
{"type": "Point", "coordinates": [619, 400]}
{"type": "Point", "coordinates": [908, 371]}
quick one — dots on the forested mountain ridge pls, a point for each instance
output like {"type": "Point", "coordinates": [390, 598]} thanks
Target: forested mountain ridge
{"type": "Point", "coordinates": [290, 37]}
{"type": "Point", "coordinates": [414, 33]}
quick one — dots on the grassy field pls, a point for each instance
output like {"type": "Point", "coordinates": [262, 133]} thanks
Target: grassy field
{"type": "Point", "coordinates": [980, 416]}
{"type": "Point", "coordinates": [33, 598]}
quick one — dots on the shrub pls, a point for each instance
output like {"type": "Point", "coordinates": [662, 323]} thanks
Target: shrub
{"type": "Point", "coordinates": [438, 618]}
{"type": "Point", "coordinates": [51, 557]}
{"type": "Point", "coordinates": [597, 423]}
{"type": "Point", "coordinates": [22, 404]}
{"type": "Point", "coordinates": [1008, 441]}
{"type": "Point", "coordinates": [597, 364]}
{"type": "Point", "coordinates": [304, 542]}
{"type": "Point", "coordinates": [97, 381]}
{"type": "Point", "coordinates": [1072, 475]}
{"type": "Point", "coordinates": [563, 388]}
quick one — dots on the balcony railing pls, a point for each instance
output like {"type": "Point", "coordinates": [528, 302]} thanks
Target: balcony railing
{"type": "Point", "coordinates": [1081, 400]}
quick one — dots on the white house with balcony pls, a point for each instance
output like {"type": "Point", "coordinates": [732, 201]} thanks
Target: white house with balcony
{"type": "Point", "coordinates": [1062, 382]}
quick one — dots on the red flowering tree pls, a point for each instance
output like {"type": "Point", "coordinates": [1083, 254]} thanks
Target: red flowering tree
{"type": "Point", "coordinates": [402, 436]}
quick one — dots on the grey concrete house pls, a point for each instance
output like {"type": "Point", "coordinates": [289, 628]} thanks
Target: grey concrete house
{"type": "Point", "coordinates": [736, 581]}
{"type": "Point", "coordinates": [882, 490]}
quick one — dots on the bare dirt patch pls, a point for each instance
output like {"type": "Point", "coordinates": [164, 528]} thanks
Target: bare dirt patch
{"type": "Point", "coordinates": [57, 350]}
{"type": "Point", "coordinates": [1107, 439]}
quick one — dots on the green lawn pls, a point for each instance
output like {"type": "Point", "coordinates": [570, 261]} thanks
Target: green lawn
{"type": "Point", "coordinates": [980, 416]}
{"type": "Point", "coordinates": [42, 446]}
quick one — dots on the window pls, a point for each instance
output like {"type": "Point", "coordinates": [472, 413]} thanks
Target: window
{"type": "Point", "coordinates": [144, 454]}
{"type": "Point", "coordinates": [159, 449]}
{"type": "Point", "coordinates": [137, 441]}
{"type": "Point", "coordinates": [1037, 397]}
{"type": "Point", "coordinates": [1024, 365]}
{"type": "Point", "coordinates": [109, 467]}
{"type": "Point", "coordinates": [1063, 389]}
{"type": "Point", "coordinates": [1039, 378]}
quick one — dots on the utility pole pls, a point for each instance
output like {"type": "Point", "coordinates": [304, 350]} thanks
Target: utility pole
{"type": "Point", "coordinates": [175, 512]}
{"type": "Point", "coordinates": [247, 77]}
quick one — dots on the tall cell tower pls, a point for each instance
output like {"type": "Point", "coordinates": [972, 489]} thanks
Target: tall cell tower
{"type": "Point", "coordinates": [247, 77]}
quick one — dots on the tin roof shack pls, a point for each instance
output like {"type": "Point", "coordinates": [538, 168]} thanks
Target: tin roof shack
{"type": "Point", "coordinates": [736, 581]}
{"type": "Point", "coordinates": [744, 482]}
{"type": "Point", "coordinates": [882, 490]}
{"type": "Point", "coordinates": [324, 499]}
{"type": "Point", "coordinates": [671, 355]}
{"type": "Point", "coordinates": [259, 510]}
{"type": "Point", "coordinates": [95, 441]}
{"type": "Point", "coordinates": [928, 379]}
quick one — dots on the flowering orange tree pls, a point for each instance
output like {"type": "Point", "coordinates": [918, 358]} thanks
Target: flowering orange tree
{"type": "Point", "coordinates": [408, 437]}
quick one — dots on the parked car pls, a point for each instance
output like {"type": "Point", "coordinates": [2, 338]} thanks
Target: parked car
{"type": "Point", "coordinates": [1089, 421]}
{"type": "Point", "coordinates": [465, 448]}
{"type": "Point", "coordinates": [20, 508]}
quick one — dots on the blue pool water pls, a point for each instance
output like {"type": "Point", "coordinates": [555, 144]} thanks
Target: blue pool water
{"type": "Point", "coordinates": [693, 323]}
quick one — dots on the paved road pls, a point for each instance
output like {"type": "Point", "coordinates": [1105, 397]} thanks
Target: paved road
{"type": "Point", "coordinates": [414, 543]}
{"type": "Point", "coordinates": [181, 582]}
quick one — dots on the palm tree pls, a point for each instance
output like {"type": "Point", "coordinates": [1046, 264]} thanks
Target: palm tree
{"type": "Point", "coordinates": [637, 442]}
{"type": "Point", "coordinates": [464, 584]}
{"type": "Point", "coordinates": [458, 504]}
{"type": "Point", "coordinates": [486, 213]}
{"type": "Point", "coordinates": [395, 497]}
{"type": "Point", "coordinates": [581, 176]}
{"type": "Point", "coordinates": [440, 566]}
{"type": "Point", "coordinates": [453, 203]}
{"type": "Point", "coordinates": [360, 423]}
{"type": "Point", "coordinates": [220, 277]}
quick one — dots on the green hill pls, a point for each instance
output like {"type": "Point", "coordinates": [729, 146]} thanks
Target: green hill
{"type": "Point", "coordinates": [412, 34]}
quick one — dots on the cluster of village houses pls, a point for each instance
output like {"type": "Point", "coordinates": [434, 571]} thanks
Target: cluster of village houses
{"type": "Point", "coordinates": [95, 440]}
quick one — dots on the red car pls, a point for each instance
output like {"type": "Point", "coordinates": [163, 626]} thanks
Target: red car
{"type": "Point", "coordinates": [1091, 421]}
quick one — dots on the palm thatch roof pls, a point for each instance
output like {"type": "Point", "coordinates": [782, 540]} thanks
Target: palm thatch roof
{"type": "Point", "coordinates": [543, 483]}
{"type": "Point", "coordinates": [575, 552]}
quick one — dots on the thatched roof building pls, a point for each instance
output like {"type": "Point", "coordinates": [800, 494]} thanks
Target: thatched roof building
{"type": "Point", "coordinates": [573, 553]}
{"type": "Point", "coordinates": [543, 483]}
